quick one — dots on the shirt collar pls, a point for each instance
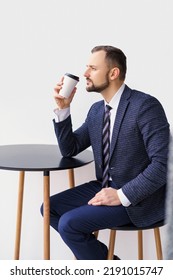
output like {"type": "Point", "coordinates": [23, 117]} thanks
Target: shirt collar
{"type": "Point", "coordinates": [116, 98]}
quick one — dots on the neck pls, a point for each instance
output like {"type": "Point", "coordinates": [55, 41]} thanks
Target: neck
{"type": "Point", "coordinates": [111, 91]}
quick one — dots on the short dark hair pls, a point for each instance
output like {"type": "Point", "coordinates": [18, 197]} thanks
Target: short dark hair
{"type": "Point", "coordinates": [115, 58]}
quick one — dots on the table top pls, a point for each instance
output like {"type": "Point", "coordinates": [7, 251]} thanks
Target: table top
{"type": "Point", "coordinates": [39, 157]}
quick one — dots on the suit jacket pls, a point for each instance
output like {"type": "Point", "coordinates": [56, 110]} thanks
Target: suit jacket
{"type": "Point", "coordinates": [139, 151]}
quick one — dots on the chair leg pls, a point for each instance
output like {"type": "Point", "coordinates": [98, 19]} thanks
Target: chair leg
{"type": "Point", "coordinates": [158, 244]}
{"type": "Point", "coordinates": [71, 178]}
{"type": "Point", "coordinates": [111, 244]}
{"type": "Point", "coordinates": [96, 233]}
{"type": "Point", "coordinates": [140, 245]}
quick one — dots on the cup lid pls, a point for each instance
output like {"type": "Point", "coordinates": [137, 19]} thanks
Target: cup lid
{"type": "Point", "coordinates": [72, 76]}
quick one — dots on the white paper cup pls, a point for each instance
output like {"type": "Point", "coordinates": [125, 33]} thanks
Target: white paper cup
{"type": "Point", "coordinates": [69, 83]}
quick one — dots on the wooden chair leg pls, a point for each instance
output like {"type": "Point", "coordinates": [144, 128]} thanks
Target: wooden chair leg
{"type": "Point", "coordinates": [71, 178]}
{"type": "Point", "coordinates": [140, 245]}
{"type": "Point", "coordinates": [158, 244]}
{"type": "Point", "coordinates": [71, 183]}
{"type": "Point", "coordinates": [111, 244]}
{"type": "Point", "coordinates": [96, 233]}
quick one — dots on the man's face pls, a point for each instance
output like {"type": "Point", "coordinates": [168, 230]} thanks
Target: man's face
{"type": "Point", "coordinates": [97, 73]}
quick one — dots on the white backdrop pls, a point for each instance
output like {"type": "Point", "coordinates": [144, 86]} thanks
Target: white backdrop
{"type": "Point", "coordinates": [40, 41]}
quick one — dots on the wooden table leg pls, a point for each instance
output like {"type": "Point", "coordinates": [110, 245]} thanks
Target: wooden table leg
{"type": "Point", "coordinates": [46, 212]}
{"type": "Point", "coordinates": [71, 178]}
{"type": "Point", "coordinates": [19, 215]}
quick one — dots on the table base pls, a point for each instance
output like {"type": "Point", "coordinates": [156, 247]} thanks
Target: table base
{"type": "Point", "coordinates": [46, 218]}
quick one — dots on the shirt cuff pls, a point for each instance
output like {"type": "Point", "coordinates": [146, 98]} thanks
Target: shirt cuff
{"type": "Point", "coordinates": [124, 200]}
{"type": "Point", "coordinates": [61, 114]}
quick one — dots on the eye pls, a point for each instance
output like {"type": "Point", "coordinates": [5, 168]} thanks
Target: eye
{"type": "Point", "coordinates": [93, 68]}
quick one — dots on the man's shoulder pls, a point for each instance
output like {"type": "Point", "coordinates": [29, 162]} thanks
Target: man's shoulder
{"type": "Point", "coordinates": [138, 96]}
{"type": "Point", "coordinates": [97, 105]}
{"type": "Point", "coordinates": [135, 93]}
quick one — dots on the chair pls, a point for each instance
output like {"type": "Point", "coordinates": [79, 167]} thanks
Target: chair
{"type": "Point", "coordinates": [155, 227]}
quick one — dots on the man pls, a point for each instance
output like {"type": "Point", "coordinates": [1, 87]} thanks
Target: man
{"type": "Point", "coordinates": [136, 160]}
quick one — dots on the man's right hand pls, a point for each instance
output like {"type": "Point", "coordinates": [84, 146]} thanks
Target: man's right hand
{"type": "Point", "coordinates": [61, 101]}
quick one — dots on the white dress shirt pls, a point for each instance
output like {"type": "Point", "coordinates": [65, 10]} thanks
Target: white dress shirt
{"type": "Point", "coordinates": [62, 114]}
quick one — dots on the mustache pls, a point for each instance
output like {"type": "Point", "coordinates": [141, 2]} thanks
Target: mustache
{"type": "Point", "coordinates": [88, 80]}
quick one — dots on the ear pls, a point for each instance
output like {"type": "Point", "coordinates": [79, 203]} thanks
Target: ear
{"type": "Point", "coordinates": [114, 73]}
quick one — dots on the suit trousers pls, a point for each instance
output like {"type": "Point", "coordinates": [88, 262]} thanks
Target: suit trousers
{"type": "Point", "coordinates": [75, 220]}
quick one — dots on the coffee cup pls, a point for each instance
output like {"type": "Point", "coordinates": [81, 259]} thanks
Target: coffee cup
{"type": "Point", "coordinates": [69, 84]}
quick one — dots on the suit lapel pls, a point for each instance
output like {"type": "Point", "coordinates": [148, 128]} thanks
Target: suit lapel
{"type": "Point", "coordinates": [124, 101]}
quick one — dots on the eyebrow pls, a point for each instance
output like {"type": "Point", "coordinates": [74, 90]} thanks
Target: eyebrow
{"type": "Point", "coordinates": [91, 65]}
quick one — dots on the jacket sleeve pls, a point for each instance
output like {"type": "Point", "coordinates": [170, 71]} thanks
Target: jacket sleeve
{"type": "Point", "coordinates": [71, 143]}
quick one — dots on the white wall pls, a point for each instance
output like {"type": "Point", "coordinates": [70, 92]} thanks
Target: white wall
{"type": "Point", "coordinates": [40, 40]}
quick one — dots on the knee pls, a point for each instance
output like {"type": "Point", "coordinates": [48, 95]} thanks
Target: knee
{"type": "Point", "coordinates": [53, 206]}
{"type": "Point", "coordinates": [62, 225]}
{"type": "Point", "coordinates": [66, 225]}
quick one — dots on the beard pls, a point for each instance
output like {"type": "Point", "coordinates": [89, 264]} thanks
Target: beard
{"type": "Point", "coordinates": [98, 88]}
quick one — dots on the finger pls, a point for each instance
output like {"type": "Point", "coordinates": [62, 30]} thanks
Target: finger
{"type": "Point", "coordinates": [59, 85]}
{"type": "Point", "coordinates": [99, 203]}
{"type": "Point", "coordinates": [57, 88]}
{"type": "Point", "coordinates": [91, 201]}
{"type": "Point", "coordinates": [62, 78]}
{"type": "Point", "coordinates": [58, 96]}
{"type": "Point", "coordinates": [72, 95]}
{"type": "Point", "coordinates": [94, 201]}
{"type": "Point", "coordinates": [61, 81]}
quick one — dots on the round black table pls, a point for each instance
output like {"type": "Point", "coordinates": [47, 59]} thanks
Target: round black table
{"type": "Point", "coordinates": [39, 157]}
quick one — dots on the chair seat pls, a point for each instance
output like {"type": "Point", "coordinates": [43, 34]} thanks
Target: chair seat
{"type": "Point", "coordinates": [132, 227]}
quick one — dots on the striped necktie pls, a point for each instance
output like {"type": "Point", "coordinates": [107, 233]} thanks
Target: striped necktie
{"type": "Point", "coordinates": [106, 146]}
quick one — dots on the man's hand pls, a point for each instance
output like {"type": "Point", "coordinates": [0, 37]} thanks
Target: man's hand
{"type": "Point", "coordinates": [61, 101]}
{"type": "Point", "coordinates": [107, 196]}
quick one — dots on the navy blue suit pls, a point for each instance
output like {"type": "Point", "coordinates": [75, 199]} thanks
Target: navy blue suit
{"type": "Point", "coordinates": [138, 161]}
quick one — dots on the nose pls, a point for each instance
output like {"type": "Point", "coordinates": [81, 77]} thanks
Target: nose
{"type": "Point", "coordinates": [86, 73]}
